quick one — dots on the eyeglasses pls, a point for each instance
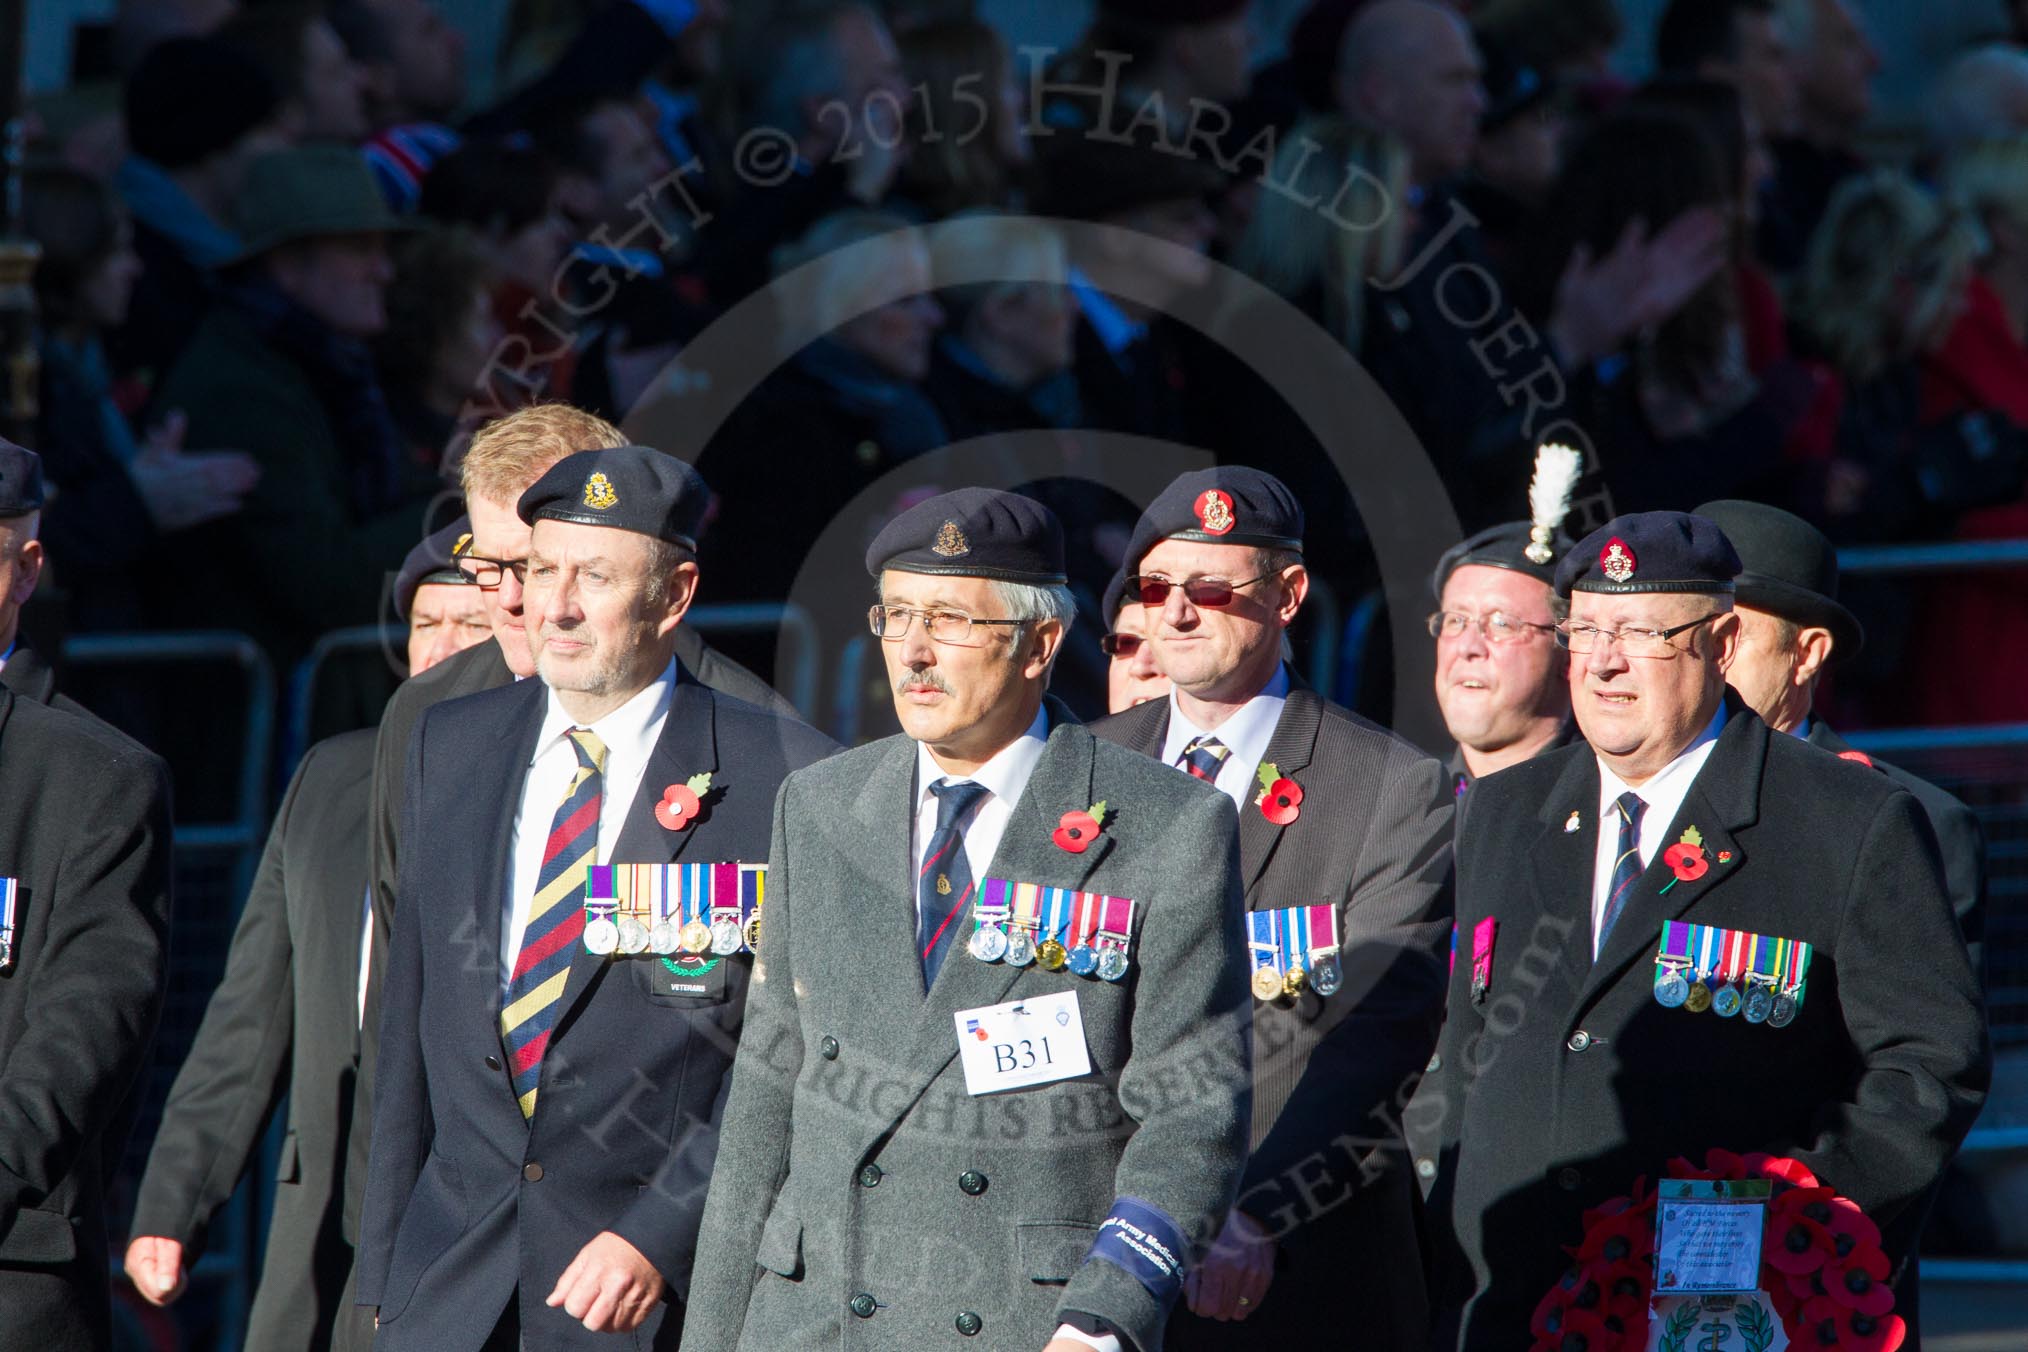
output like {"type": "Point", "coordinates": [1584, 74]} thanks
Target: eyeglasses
{"type": "Point", "coordinates": [1121, 645]}
{"type": "Point", "coordinates": [945, 626]}
{"type": "Point", "coordinates": [1207, 592]}
{"type": "Point", "coordinates": [489, 573]}
{"type": "Point", "coordinates": [1495, 626]}
{"type": "Point", "coordinates": [1634, 640]}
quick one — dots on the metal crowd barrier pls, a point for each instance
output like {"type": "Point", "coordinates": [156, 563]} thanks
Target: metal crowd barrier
{"type": "Point", "coordinates": [213, 868]}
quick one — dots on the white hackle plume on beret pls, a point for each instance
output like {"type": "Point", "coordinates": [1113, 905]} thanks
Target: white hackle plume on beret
{"type": "Point", "coordinates": [1557, 469]}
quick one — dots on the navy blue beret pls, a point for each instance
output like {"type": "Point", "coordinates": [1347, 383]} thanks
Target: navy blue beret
{"type": "Point", "coordinates": [1650, 552]}
{"type": "Point", "coordinates": [1116, 592]}
{"type": "Point", "coordinates": [634, 488]}
{"type": "Point", "coordinates": [1501, 546]}
{"type": "Point", "coordinates": [1224, 505]}
{"type": "Point", "coordinates": [20, 480]}
{"type": "Point", "coordinates": [433, 560]}
{"type": "Point", "coordinates": [973, 532]}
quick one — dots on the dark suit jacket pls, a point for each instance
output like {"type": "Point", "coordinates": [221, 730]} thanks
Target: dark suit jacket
{"type": "Point", "coordinates": [30, 677]}
{"type": "Point", "coordinates": [1327, 1172]}
{"type": "Point", "coordinates": [465, 1200]}
{"type": "Point", "coordinates": [1872, 1087]}
{"type": "Point", "coordinates": [281, 1020]}
{"type": "Point", "coordinates": [84, 830]}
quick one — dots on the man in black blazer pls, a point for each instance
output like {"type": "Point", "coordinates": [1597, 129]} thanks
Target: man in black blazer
{"type": "Point", "coordinates": [1581, 1051]}
{"type": "Point", "coordinates": [1322, 1241]}
{"type": "Point", "coordinates": [506, 457]}
{"type": "Point", "coordinates": [22, 669]}
{"type": "Point", "coordinates": [283, 1020]}
{"type": "Point", "coordinates": [546, 1104]}
{"type": "Point", "coordinates": [84, 921]}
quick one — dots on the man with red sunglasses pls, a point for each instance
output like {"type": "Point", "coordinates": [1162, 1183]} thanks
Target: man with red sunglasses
{"type": "Point", "coordinates": [1132, 678]}
{"type": "Point", "coordinates": [1344, 841]}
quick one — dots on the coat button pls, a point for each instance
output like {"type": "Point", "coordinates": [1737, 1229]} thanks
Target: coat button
{"type": "Point", "coordinates": [1425, 1168]}
{"type": "Point", "coordinates": [532, 1172]}
{"type": "Point", "coordinates": [969, 1324]}
{"type": "Point", "coordinates": [971, 1183]}
{"type": "Point", "coordinates": [1436, 1063]}
{"type": "Point", "coordinates": [828, 1049]}
{"type": "Point", "coordinates": [864, 1305]}
{"type": "Point", "coordinates": [1579, 1040]}
{"type": "Point", "coordinates": [869, 1177]}
{"type": "Point", "coordinates": [1568, 1179]}
{"type": "Point", "coordinates": [492, 1063]}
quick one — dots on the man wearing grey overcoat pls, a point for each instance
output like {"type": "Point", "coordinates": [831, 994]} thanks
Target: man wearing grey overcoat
{"type": "Point", "coordinates": [862, 1197]}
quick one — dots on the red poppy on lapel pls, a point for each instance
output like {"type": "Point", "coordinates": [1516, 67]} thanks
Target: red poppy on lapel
{"type": "Point", "coordinates": [682, 802]}
{"type": "Point", "coordinates": [1075, 830]}
{"type": "Point", "coordinates": [1281, 798]}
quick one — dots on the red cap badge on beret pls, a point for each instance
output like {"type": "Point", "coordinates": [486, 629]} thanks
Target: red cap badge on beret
{"type": "Point", "coordinates": [1616, 561]}
{"type": "Point", "coordinates": [1214, 509]}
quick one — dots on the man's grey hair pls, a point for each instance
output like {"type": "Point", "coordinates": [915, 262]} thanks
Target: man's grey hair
{"type": "Point", "coordinates": [664, 559]}
{"type": "Point", "coordinates": [1027, 601]}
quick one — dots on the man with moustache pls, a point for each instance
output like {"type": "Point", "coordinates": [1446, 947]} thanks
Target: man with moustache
{"type": "Point", "coordinates": [1337, 817]}
{"type": "Point", "coordinates": [546, 1101]}
{"type": "Point", "coordinates": [283, 1020]}
{"type": "Point", "coordinates": [1100, 1005]}
{"type": "Point", "coordinates": [1589, 1041]}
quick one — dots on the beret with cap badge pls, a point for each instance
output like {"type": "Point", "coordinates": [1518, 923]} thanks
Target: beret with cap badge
{"type": "Point", "coordinates": [633, 488]}
{"type": "Point", "coordinates": [1224, 505]}
{"type": "Point", "coordinates": [433, 560]}
{"type": "Point", "coordinates": [1650, 552]}
{"type": "Point", "coordinates": [973, 532]}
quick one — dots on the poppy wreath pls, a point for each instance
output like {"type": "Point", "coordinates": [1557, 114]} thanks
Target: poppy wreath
{"type": "Point", "coordinates": [1821, 1266]}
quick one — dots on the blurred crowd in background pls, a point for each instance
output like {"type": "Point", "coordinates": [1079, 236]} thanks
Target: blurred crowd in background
{"type": "Point", "coordinates": [289, 263]}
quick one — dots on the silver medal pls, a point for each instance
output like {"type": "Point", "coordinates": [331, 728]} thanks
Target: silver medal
{"type": "Point", "coordinates": [633, 936]}
{"type": "Point", "coordinates": [1326, 978]}
{"type": "Point", "coordinates": [1784, 1012]}
{"type": "Point", "coordinates": [1759, 1004]}
{"type": "Point", "coordinates": [988, 943]}
{"type": "Point", "coordinates": [601, 936]}
{"type": "Point", "coordinates": [1671, 990]}
{"type": "Point", "coordinates": [662, 939]}
{"type": "Point", "coordinates": [1112, 964]}
{"type": "Point", "coordinates": [1021, 948]}
{"type": "Point", "coordinates": [1726, 1001]}
{"type": "Point", "coordinates": [726, 937]}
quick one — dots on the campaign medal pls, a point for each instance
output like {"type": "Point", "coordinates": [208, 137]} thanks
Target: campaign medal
{"type": "Point", "coordinates": [1116, 929]}
{"type": "Point", "coordinates": [751, 932]}
{"type": "Point", "coordinates": [1326, 977]}
{"type": "Point", "coordinates": [1671, 987]}
{"type": "Point", "coordinates": [667, 896]}
{"type": "Point", "coordinates": [1294, 926]}
{"type": "Point", "coordinates": [10, 892]}
{"type": "Point", "coordinates": [1759, 984]}
{"type": "Point", "coordinates": [633, 935]}
{"type": "Point", "coordinates": [727, 907]}
{"type": "Point", "coordinates": [989, 918]}
{"type": "Point", "coordinates": [1726, 1000]}
{"type": "Point", "coordinates": [1706, 938]}
{"type": "Point", "coordinates": [1056, 919]}
{"type": "Point", "coordinates": [1027, 901]}
{"type": "Point", "coordinates": [1794, 977]}
{"type": "Point", "coordinates": [1262, 956]}
{"type": "Point", "coordinates": [601, 935]}
{"type": "Point", "coordinates": [1083, 957]}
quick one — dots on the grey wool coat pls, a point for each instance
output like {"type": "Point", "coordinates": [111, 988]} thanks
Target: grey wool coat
{"type": "Point", "coordinates": [852, 1162]}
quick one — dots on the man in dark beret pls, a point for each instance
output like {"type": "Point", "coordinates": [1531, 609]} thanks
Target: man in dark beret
{"type": "Point", "coordinates": [549, 1066]}
{"type": "Point", "coordinates": [1344, 851]}
{"type": "Point", "coordinates": [1671, 942]}
{"type": "Point", "coordinates": [22, 670]}
{"type": "Point", "coordinates": [1132, 678]}
{"type": "Point", "coordinates": [284, 1020]}
{"type": "Point", "coordinates": [992, 901]}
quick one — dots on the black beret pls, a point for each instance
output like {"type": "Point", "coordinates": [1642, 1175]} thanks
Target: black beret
{"type": "Point", "coordinates": [435, 559]}
{"type": "Point", "coordinates": [1224, 505]}
{"type": "Point", "coordinates": [973, 532]}
{"type": "Point", "coordinates": [1502, 546]}
{"type": "Point", "coordinates": [20, 480]}
{"type": "Point", "coordinates": [1787, 568]}
{"type": "Point", "coordinates": [1116, 592]}
{"type": "Point", "coordinates": [1650, 552]}
{"type": "Point", "coordinates": [192, 97]}
{"type": "Point", "coordinates": [636, 488]}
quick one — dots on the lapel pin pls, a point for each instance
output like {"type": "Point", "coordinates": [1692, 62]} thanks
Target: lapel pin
{"type": "Point", "coordinates": [682, 802]}
{"type": "Point", "coordinates": [1572, 823]}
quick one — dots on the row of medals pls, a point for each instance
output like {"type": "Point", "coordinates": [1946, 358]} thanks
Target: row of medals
{"type": "Point", "coordinates": [990, 943]}
{"type": "Point", "coordinates": [1760, 1003]}
{"type": "Point", "coordinates": [1323, 977]}
{"type": "Point", "coordinates": [721, 937]}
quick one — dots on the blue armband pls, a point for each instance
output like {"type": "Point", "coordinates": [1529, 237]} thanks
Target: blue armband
{"type": "Point", "coordinates": [1145, 1242]}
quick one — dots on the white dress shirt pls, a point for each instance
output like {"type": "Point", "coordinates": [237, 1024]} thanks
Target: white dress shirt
{"type": "Point", "coordinates": [1246, 734]}
{"type": "Point", "coordinates": [1004, 777]}
{"type": "Point", "coordinates": [1663, 794]}
{"type": "Point", "coordinates": [629, 733]}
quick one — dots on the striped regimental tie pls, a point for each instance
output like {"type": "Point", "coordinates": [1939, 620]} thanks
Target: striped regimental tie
{"type": "Point", "coordinates": [944, 885]}
{"type": "Point", "coordinates": [1626, 863]}
{"type": "Point", "coordinates": [1204, 757]}
{"type": "Point", "coordinates": [555, 920]}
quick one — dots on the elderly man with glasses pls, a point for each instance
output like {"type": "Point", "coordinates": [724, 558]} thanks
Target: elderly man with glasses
{"type": "Point", "coordinates": [999, 1088]}
{"type": "Point", "coordinates": [1344, 845]}
{"type": "Point", "coordinates": [1670, 943]}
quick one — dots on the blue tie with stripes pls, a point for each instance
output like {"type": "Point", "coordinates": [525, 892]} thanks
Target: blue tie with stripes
{"type": "Point", "coordinates": [1626, 862]}
{"type": "Point", "coordinates": [944, 886]}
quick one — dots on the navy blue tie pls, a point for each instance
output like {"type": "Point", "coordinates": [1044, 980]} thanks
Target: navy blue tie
{"type": "Point", "coordinates": [1626, 862]}
{"type": "Point", "coordinates": [944, 887]}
